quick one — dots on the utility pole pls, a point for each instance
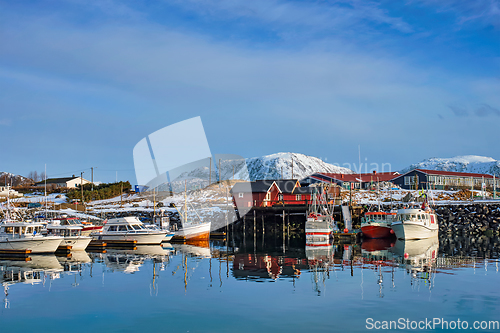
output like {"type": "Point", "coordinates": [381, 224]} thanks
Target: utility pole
{"type": "Point", "coordinates": [219, 174]}
{"type": "Point", "coordinates": [210, 172]}
{"type": "Point", "coordinates": [92, 178]}
{"type": "Point", "coordinates": [81, 183]}
{"type": "Point", "coordinates": [494, 187]}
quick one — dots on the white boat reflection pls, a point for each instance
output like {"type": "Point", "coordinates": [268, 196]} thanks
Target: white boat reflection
{"type": "Point", "coordinates": [418, 257]}
{"type": "Point", "coordinates": [130, 260]}
{"type": "Point", "coordinates": [195, 249]}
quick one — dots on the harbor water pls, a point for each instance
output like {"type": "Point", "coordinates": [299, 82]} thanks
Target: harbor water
{"type": "Point", "coordinates": [255, 286]}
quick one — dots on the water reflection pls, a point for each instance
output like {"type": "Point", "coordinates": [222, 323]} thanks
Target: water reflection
{"type": "Point", "coordinates": [384, 263]}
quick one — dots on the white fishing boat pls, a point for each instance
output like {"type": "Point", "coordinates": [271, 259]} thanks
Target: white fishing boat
{"type": "Point", "coordinates": [192, 230]}
{"type": "Point", "coordinates": [129, 228]}
{"type": "Point", "coordinates": [72, 236]}
{"type": "Point", "coordinates": [319, 224]}
{"type": "Point", "coordinates": [162, 223]}
{"type": "Point", "coordinates": [415, 223]}
{"type": "Point", "coordinates": [22, 236]}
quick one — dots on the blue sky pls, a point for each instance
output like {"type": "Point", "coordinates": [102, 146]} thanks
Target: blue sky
{"type": "Point", "coordinates": [81, 82]}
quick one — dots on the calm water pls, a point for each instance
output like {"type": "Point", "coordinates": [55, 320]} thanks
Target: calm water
{"type": "Point", "coordinates": [251, 287]}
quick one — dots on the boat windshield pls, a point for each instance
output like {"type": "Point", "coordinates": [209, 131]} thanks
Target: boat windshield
{"type": "Point", "coordinates": [137, 226]}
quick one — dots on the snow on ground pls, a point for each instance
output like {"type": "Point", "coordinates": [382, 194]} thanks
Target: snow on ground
{"type": "Point", "coordinates": [54, 197]}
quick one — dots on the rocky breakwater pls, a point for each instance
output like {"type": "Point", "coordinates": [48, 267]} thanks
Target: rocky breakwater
{"type": "Point", "coordinates": [469, 219]}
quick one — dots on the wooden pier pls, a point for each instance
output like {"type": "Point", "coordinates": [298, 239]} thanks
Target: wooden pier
{"type": "Point", "coordinates": [14, 253]}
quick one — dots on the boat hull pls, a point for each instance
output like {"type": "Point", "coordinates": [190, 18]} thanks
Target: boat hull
{"type": "Point", "coordinates": [193, 233]}
{"type": "Point", "coordinates": [87, 230]}
{"type": "Point", "coordinates": [35, 244]}
{"type": "Point", "coordinates": [376, 231]}
{"type": "Point", "coordinates": [77, 243]}
{"type": "Point", "coordinates": [141, 239]}
{"type": "Point", "coordinates": [409, 230]}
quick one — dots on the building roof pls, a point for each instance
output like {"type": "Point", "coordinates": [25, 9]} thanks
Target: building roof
{"type": "Point", "coordinates": [287, 185]}
{"type": "Point", "coordinates": [453, 173]}
{"type": "Point", "coordinates": [57, 180]}
{"type": "Point", "coordinates": [257, 186]}
{"type": "Point", "coordinates": [356, 178]}
{"type": "Point", "coordinates": [263, 186]}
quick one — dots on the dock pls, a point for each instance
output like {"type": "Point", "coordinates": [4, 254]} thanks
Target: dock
{"type": "Point", "coordinates": [7, 253]}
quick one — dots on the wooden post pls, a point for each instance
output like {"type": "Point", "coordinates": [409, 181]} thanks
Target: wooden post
{"type": "Point", "coordinates": [283, 227]}
{"type": "Point", "coordinates": [254, 225]}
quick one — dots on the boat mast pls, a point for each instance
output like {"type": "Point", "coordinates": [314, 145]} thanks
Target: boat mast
{"type": "Point", "coordinates": [185, 200]}
{"type": "Point", "coordinates": [45, 187]}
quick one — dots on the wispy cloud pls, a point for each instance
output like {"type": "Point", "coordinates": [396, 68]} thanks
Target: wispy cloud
{"type": "Point", "coordinates": [477, 11]}
{"type": "Point", "coordinates": [330, 15]}
{"type": "Point", "coordinates": [482, 110]}
{"type": "Point", "coordinates": [486, 110]}
{"type": "Point", "coordinates": [5, 122]}
{"type": "Point", "coordinates": [458, 111]}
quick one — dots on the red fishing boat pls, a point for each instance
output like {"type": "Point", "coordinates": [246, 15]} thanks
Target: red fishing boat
{"type": "Point", "coordinates": [377, 224]}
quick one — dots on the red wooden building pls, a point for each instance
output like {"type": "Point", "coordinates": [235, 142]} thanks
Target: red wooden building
{"type": "Point", "coordinates": [267, 193]}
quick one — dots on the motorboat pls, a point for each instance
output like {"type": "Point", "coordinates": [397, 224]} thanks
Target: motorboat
{"type": "Point", "coordinates": [22, 236]}
{"type": "Point", "coordinates": [129, 228]}
{"type": "Point", "coordinates": [72, 236]}
{"type": "Point", "coordinates": [415, 223]}
{"type": "Point", "coordinates": [87, 227]}
{"type": "Point", "coordinates": [377, 224]}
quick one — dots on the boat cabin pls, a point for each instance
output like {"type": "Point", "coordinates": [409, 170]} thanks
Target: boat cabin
{"type": "Point", "coordinates": [379, 217]}
{"type": "Point", "coordinates": [20, 229]}
{"type": "Point", "coordinates": [65, 231]}
{"type": "Point", "coordinates": [416, 215]}
{"type": "Point", "coordinates": [129, 224]}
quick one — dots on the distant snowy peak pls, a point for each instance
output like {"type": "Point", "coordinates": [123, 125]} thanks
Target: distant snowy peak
{"type": "Point", "coordinates": [467, 163]}
{"type": "Point", "coordinates": [12, 179]}
{"type": "Point", "coordinates": [275, 166]}
{"type": "Point", "coordinates": [281, 165]}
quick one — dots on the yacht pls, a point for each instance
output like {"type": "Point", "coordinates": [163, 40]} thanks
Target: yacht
{"type": "Point", "coordinates": [22, 236]}
{"type": "Point", "coordinates": [415, 223]}
{"type": "Point", "coordinates": [377, 224]}
{"type": "Point", "coordinates": [72, 236]}
{"type": "Point", "coordinates": [129, 228]}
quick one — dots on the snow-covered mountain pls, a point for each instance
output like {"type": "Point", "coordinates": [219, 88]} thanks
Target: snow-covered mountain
{"type": "Point", "coordinates": [12, 179]}
{"type": "Point", "coordinates": [271, 166]}
{"type": "Point", "coordinates": [468, 163]}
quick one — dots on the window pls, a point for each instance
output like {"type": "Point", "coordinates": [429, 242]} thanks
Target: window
{"type": "Point", "coordinates": [280, 196]}
{"type": "Point", "coordinates": [112, 228]}
{"type": "Point", "coordinates": [298, 197]}
{"type": "Point", "coordinates": [122, 228]}
{"type": "Point", "coordinates": [240, 195]}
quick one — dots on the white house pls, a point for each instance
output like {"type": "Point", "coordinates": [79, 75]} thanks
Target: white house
{"type": "Point", "coordinates": [69, 182]}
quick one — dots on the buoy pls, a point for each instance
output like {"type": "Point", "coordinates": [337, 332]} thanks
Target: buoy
{"type": "Point", "coordinates": [346, 231]}
{"type": "Point", "coordinates": [406, 255]}
{"type": "Point", "coordinates": [392, 231]}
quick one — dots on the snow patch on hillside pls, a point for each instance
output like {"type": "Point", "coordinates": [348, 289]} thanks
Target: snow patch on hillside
{"type": "Point", "coordinates": [467, 163]}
